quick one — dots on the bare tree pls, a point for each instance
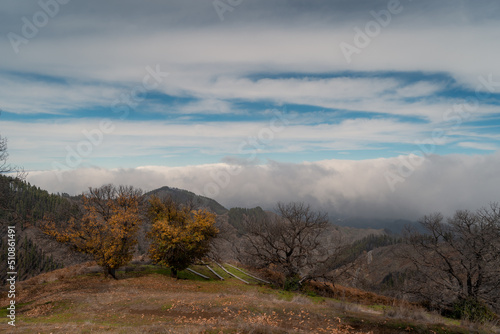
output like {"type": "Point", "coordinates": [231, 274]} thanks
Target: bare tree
{"type": "Point", "coordinates": [5, 167]}
{"type": "Point", "coordinates": [293, 242]}
{"type": "Point", "coordinates": [458, 259]}
{"type": "Point", "coordinates": [491, 217]}
{"type": "Point", "coordinates": [8, 182]}
{"type": "Point", "coordinates": [3, 155]}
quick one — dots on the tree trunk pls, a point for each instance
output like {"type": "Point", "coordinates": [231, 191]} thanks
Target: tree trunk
{"type": "Point", "coordinates": [173, 272]}
{"type": "Point", "coordinates": [112, 272]}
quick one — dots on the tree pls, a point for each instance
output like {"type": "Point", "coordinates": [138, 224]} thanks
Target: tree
{"type": "Point", "coordinates": [7, 183]}
{"type": "Point", "coordinates": [457, 261]}
{"type": "Point", "coordinates": [4, 181]}
{"type": "Point", "coordinates": [4, 166]}
{"type": "Point", "coordinates": [106, 228]}
{"type": "Point", "coordinates": [179, 235]}
{"type": "Point", "coordinates": [19, 205]}
{"type": "Point", "coordinates": [293, 242]}
{"type": "Point", "coordinates": [3, 156]}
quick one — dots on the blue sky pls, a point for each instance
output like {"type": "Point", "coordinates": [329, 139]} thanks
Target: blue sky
{"type": "Point", "coordinates": [321, 124]}
{"type": "Point", "coordinates": [197, 84]}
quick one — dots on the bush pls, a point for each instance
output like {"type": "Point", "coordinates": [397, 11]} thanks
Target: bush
{"type": "Point", "coordinates": [407, 312]}
{"type": "Point", "coordinates": [472, 310]}
{"type": "Point", "coordinates": [292, 283]}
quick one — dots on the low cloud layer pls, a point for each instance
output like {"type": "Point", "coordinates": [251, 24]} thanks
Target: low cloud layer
{"type": "Point", "coordinates": [341, 187]}
{"type": "Point", "coordinates": [427, 73]}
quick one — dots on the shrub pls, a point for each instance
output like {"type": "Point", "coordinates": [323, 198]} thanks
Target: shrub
{"type": "Point", "coordinates": [292, 283]}
{"type": "Point", "coordinates": [472, 310]}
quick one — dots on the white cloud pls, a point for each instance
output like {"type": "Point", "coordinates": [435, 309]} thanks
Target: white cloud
{"type": "Point", "coordinates": [24, 95]}
{"type": "Point", "coordinates": [341, 187]}
{"type": "Point", "coordinates": [465, 51]}
{"type": "Point", "coordinates": [479, 146]}
{"type": "Point", "coordinates": [45, 142]}
{"type": "Point", "coordinates": [101, 49]}
{"type": "Point", "coordinates": [419, 89]}
{"type": "Point", "coordinates": [211, 59]}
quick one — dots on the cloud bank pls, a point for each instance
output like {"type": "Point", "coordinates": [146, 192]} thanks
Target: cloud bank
{"type": "Point", "coordinates": [341, 187]}
{"type": "Point", "coordinates": [430, 68]}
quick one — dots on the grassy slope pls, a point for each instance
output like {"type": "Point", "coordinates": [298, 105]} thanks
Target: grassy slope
{"type": "Point", "coordinates": [146, 300]}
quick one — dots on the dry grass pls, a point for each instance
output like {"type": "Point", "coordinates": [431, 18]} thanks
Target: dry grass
{"type": "Point", "coordinates": [409, 312]}
{"type": "Point", "coordinates": [490, 326]}
{"type": "Point", "coordinates": [149, 301]}
{"type": "Point", "coordinates": [350, 294]}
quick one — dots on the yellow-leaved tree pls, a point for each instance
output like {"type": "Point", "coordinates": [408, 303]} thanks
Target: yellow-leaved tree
{"type": "Point", "coordinates": [106, 226]}
{"type": "Point", "coordinates": [179, 235]}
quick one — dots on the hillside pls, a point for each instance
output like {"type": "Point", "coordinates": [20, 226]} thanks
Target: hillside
{"type": "Point", "coordinates": [24, 205]}
{"type": "Point", "coordinates": [27, 205]}
{"type": "Point", "coordinates": [146, 300]}
{"type": "Point", "coordinates": [185, 196]}
{"type": "Point", "coordinates": [390, 225]}
{"type": "Point", "coordinates": [378, 270]}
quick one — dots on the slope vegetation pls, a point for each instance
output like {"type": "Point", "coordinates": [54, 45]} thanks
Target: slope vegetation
{"type": "Point", "coordinates": [146, 300]}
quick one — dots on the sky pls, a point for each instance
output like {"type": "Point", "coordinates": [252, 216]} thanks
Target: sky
{"type": "Point", "coordinates": [375, 109]}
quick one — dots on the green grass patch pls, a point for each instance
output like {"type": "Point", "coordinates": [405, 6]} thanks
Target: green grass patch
{"type": "Point", "coordinates": [286, 295]}
{"type": "Point", "coordinates": [187, 275]}
{"type": "Point", "coordinates": [160, 271]}
{"type": "Point", "coordinates": [60, 313]}
{"type": "Point", "coordinates": [167, 307]}
{"type": "Point", "coordinates": [452, 322]}
{"type": "Point", "coordinates": [59, 318]}
{"type": "Point", "coordinates": [317, 299]}
{"type": "Point", "coordinates": [379, 307]}
{"type": "Point", "coordinates": [241, 275]}
{"type": "Point", "coordinates": [440, 329]}
{"type": "Point", "coordinates": [4, 311]}
{"type": "Point", "coordinates": [279, 294]}
{"type": "Point", "coordinates": [165, 271]}
{"type": "Point", "coordinates": [204, 271]}
{"type": "Point", "coordinates": [3, 314]}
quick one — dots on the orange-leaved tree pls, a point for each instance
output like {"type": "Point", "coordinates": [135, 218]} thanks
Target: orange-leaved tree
{"type": "Point", "coordinates": [179, 235]}
{"type": "Point", "coordinates": [106, 227]}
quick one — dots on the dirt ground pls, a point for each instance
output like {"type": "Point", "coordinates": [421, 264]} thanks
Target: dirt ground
{"type": "Point", "coordinates": [147, 301]}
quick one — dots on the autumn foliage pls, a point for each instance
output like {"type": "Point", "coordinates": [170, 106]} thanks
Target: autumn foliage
{"type": "Point", "coordinates": [106, 228]}
{"type": "Point", "coordinates": [179, 235]}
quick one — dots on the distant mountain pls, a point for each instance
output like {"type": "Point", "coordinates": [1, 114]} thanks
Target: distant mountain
{"type": "Point", "coordinates": [395, 226]}
{"type": "Point", "coordinates": [184, 196]}
{"type": "Point", "coordinates": [237, 216]}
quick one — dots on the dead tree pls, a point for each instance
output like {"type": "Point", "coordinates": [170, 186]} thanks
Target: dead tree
{"type": "Point", "coordinates": [293, 242]}
{"type": "Point", "coordinates": [458, 259]}
{"type": "Point", "coordinates": [8, 183]}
